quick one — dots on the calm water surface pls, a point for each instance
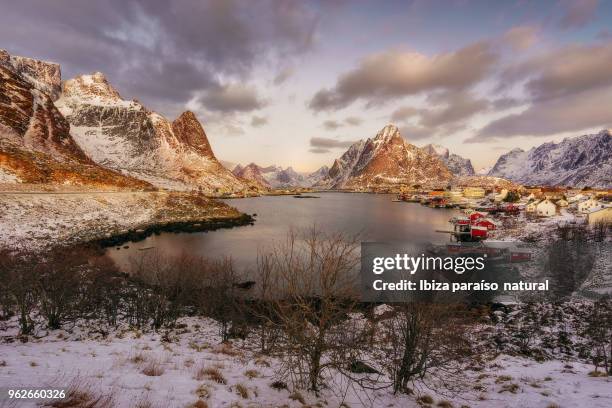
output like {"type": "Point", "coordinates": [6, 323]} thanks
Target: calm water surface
{"type": "Point", "coordinates": [374, 216]}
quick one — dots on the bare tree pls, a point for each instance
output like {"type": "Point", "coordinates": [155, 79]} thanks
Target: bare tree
{"type": "Point", "coordinates": [316, 293]}
{"type": "Point", "coordinates": [421, 338]}
{"type": "Point", "coordinates": [599, 334]}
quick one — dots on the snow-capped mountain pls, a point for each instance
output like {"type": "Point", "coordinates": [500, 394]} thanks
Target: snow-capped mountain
{"type": "Point", "coordinates": [126, 136]}
{"type": "Point", "coordinates": [317, 176]}
{"type": "Point", "coordinates": [276, 177]}
{"type": "Point", "coordinates": [384, 160]}
{"type": "Point", "coordinates": [35, 141]}
{"type": "Point", "coordinates": [578, 162]}
{"type": "Point", "coordinates": [458, 165]}
{"type": "Point", "coordinates": [251, 174]}
{"type": "Point", "coordinates": [483, 171]}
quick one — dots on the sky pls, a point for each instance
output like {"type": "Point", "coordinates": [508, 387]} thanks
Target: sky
{"type": "Point", "coordinates": [294, 83]}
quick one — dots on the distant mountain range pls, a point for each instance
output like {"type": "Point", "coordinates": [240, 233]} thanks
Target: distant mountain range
{"type": "Point", "coordinates": [276, 177]}
{"type": "Point", "coordinates": [579, 162]}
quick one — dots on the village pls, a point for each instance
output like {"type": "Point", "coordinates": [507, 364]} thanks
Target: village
{"type": "Point", "coordinates": [487, 211]}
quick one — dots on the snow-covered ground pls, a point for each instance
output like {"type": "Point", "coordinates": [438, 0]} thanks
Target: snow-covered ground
{"type": "Point", "coordinates": [178, 368]}
{"type": "Point", "coordinates": [41, 220]}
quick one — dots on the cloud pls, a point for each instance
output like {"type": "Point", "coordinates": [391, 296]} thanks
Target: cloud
{"type": "Point", "coordinates": [567, 89]}
{"type": "Point", "coordinates": [577, 112]}
{"type": "Point", "coordinates": [318, 150]}
{"type": "Point", "coordinates": [459, 106]}
{"type": "Point", "coordinates": [521, 38]}
{"type": "Point", "coordinates": [415, 132]}
{"type": "Point", "coordinates": [160, 52]}
{"type": "Point", "coordinates": [393, 74]}
{"type": "Point", "coordinates": [329, 143]}
{"type": "Point", "coordinates": [334, 124]}
{"type": "Point", "coordinates": [506, 103]}
{"type": "Point", "coordinates": [257, 121]}
{"type": "Point", "coordinates": [283, 75]}
{"type": "Point", "coordinates": [331, 125]}
{"type": "Point", "coordinates": [578, 13]}
{"type": "Point", "coordinates": [353, 121]}
{"type": "Point", "coordinates": [231, 98]}
{"type": "Point", "coordinates": [403, 113]}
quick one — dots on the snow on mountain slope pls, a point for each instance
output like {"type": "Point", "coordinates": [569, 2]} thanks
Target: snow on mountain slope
{"type": "Point", "coordinates": [458, 165]}
{"type": "Point", "coordinates": [251, 173]}
{"type": "Point", "coordinates": [579, 162]}
{"type": "Point", "coordinates": [126, 136]}
{"type": "Point", "coordinates": [385, 160]}
{"type": "Point", "coordinates": [276, 177]}
{"type": "Point", "coordinates": [35, 141]}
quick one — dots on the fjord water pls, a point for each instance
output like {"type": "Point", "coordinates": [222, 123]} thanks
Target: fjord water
{"type": "Point", "coordinates": [374, 216]}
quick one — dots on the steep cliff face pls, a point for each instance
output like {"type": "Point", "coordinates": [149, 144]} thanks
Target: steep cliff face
{"type": "Point", "coordinates": [457, 165]}
{"type": "Point", "coordinates": [43, 75]}
{"type": "Point", "coordinates": [35, 141]}
{"type": "Point", "coordinates": [579, 162]}
{"type": "Point", "coordinates": [126, 136]}
{"type": "Point", "coordinates": [385, 160]}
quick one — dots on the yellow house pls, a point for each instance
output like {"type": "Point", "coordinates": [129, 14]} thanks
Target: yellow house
{"type": "Point", "coordinates": [473, 192]}
{"type": "Point", "coordinates": [602, 215]}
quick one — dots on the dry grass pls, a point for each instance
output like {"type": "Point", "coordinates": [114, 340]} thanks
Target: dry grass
{"type": "Point", "coordinates": [203, 392]}
{"type": "Point", "coordinates": [80, 395]}
{"type": "Point", "coordinates": [596, 373]}
{"type": "Point", "coordinates": [503, 378]}
{"type": "Point", "coordinates": [250, 374]}
{"type": "Point", "coordinates": [425, 399]}
{"type": "Point", "coordinates": [444, 404]}
{"type": "Point", "coordinates": [210, 373]}
{"type": "Point", "coordinates": [242, 391]}
{"type": "Point", "coordinates": [513, 388]}
{"type": "Point", "coordinates": [138, 358]}
{"type": "Point", "coordinates": [153, 368]}
{"type": "Point", "coordinates": [228, 350]}
{"type": "Point", "coordinates": [199, 404]}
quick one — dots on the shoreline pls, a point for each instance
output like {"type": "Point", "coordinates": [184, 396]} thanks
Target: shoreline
{"type": "Point", "coordinates": [140, 234]}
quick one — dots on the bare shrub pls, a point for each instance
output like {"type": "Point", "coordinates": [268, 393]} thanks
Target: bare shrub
{"type": "Point", "coordinates": [424, 339]}
{"type": "Point", "coordinates": [598, 331]}
{"type": "Point", "coordinates": [316, 292]}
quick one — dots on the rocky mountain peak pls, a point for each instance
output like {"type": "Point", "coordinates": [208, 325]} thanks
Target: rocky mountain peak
{"type": "Point", "coordinates": [458, 165]}
{"type": "Point", "coordinates": [188, 130]}
{"type": "Point", "coordinates": [387, 134]}
{"type": "Point", "coordinates": [93, 88]}
{"type": "Point", "coordinates": [42, 75]}
{"type": "Point", "coordinates": [385, 160]}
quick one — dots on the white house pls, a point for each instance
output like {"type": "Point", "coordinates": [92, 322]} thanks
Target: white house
{"type": "Point", "coordinates": [562, 203]}
{"type": "Point", "coordinates": [546, 208]}
{"type": "Point", "coordinates": [589, 205]}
